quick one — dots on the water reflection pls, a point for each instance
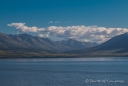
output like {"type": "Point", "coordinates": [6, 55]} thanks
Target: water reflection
{"type": "Point", "coordinates": [68, 59]}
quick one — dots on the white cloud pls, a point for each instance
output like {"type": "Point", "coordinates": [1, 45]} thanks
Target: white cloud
{"type": "Point", "coordinates": [85, 40]}
{"type": "Point", "coordinates": [57, 22]}
{"type": "Point", "coordinates": [43, 35]}
{"type": "Point", "coordinates": [54, 22]}
{"type": "Point", "coordinates": [68, 22]}
{"type": "Point", "coordinates": [50, 22]}
{"type": "Point", "coordinates": [23, 28]}
{"type": "Point", "coordinates": [91, 33]}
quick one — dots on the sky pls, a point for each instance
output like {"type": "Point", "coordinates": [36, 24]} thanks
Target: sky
{"type": "Point", "coordinates": [86, 20]}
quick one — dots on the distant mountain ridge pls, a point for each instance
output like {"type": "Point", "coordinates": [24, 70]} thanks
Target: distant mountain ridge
{"type": "Point", "coordinates": [73, 44]}
{"type": "Point", "coordinates": [117, 44]}
{"type": "Point", "coordinates": [26, 42]}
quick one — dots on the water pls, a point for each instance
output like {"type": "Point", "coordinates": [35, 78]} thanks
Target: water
{"type": "Point", "coordinates": [64, 72]}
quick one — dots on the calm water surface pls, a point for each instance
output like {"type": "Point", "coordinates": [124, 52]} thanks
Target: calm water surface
{"type": "Point", "coordinates": [64, 72]}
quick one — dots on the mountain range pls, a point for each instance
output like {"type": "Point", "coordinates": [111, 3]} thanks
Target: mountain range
{"type": "Point", "coordinates": [117, 44]}
{"type": "Point", "coordinates": [34, 46]}
{"type": "Point", "coordinates": [29, 43]}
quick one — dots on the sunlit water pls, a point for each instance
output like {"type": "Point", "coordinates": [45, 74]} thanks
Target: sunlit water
{"type": "Point", "coordinates": [64, 72]}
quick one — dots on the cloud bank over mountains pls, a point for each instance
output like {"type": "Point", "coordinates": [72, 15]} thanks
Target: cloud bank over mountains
{"type": "Point", "coordinates": [87, 33]}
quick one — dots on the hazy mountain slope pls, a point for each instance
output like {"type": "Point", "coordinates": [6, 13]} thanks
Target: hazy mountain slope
{"type": "Point", "coordinates": [118, 44]}
{"type": "Point", "coordinates": [38, 43]}
{"type": "Point", "coordinates": [7, 42]}
{"type": "Point", "coordinates": [74, 44]}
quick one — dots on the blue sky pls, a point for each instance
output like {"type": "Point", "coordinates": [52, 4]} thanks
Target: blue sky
{"type": "Point", "coordinates": [46, 13]}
